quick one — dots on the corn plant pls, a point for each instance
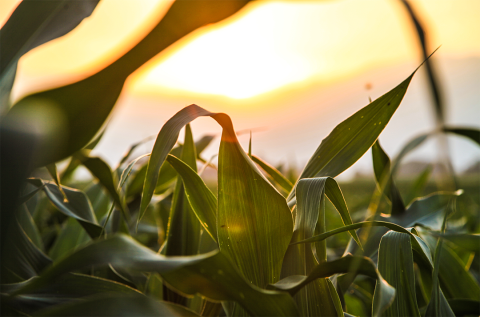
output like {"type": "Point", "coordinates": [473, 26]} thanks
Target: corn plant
{"type": "Point", "coordinates": [151, 237]}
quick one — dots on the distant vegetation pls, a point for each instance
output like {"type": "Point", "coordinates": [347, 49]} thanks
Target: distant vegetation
{"type": "Point", "coordinates": [150, 237]}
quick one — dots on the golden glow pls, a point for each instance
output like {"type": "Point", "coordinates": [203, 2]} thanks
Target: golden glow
{"type": "Point", "coordinates": [267, 47]}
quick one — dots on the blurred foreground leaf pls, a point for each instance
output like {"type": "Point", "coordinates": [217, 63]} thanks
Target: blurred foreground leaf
{"type": "Point", "coordinates": [46, 21]}
{"type": "Point", "coordinates": [85, 105]}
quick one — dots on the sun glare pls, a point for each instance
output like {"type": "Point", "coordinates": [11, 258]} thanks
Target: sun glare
{"type": "Point", "coordinates": [239, 60]}
{"type": "Point", "coordinates": [266, 46]}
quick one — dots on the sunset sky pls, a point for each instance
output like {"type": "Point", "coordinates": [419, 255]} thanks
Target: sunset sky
{"type": "Point", "coordinates": [260, 64]}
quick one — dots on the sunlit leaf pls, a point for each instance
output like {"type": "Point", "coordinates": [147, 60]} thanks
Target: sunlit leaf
{"type": "Point", "coordinates": [354, 136]}
{"type": "Point", "coordinates": [254, 222]}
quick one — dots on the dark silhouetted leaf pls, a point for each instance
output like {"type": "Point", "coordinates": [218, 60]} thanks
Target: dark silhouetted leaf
{"type": "Point", "coordinates": [67, 288]}
{"type": "Point", "coordinates": [119, 305]}
{"type": "Point", "coordinates": [85, 105]}
{"type": "Point", "coordinates": [46, 21]}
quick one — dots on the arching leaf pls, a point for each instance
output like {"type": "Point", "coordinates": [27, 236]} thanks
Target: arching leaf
{"type": "Point", "coordinates": [254, 222]}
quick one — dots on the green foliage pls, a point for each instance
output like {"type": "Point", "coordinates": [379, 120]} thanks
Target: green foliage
{"type": "Point", "coordinates": [154, 238]}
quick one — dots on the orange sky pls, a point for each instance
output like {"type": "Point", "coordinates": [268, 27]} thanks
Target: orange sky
{"type": "Point", "coordinates": [293, 68]}
{"type": "Point", "coordinates": [268, 45]}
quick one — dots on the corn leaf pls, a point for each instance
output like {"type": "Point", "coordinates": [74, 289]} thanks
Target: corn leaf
{"type": "Point", "coordinates": [471, 133]}
{"type": "Point", "coordinates": [424, 207]}
{"type": "Point", "coordinates": [315, 299]}
{"type": "Point", "coordinates": [78, 206]}
{"type": "Point", "coordinates": [470, 242]}
{"type": "Point", "coordinates": [166, 139]}
{"type": "Point", "coordinates": [67, 288]}
{"type": "Point", "coordinates": [25, 259]}
{"type": "Point", "coordinates": [354, 136]}
{"type": "Point", "coordinates": [438, 305]}
{"type": "Point", "coordinates": [46, 21]}
{"type": "Point", "coordinates": [183, 234]}
{"type": "Point", "coordinates": [456, 281]}
{"type": "Point", "coordinates": [126, 172]}
{"type": "Point", "coordinates": [358, 225]}
{"type": "Point", "coordinates": [115, 304]}
{"type": "Point", "coordinates": [428, 210]}
{"type": "Point", "coordinates": [386, 293]}
{"type": "Point", "coordinates": [254, 222]}
{"type": "Point", "coordinates": [201, 199]}
{"type": "Point", "coordinates": [274, 174]}
{"type": "Point", "coordinates": [381, 167]}
{"type": "Point", "coordinates": [189, 274]}
{"type": "Point", "coordinates": [85, 105]}
{"type": "Point", "coordinates": [395, 263]}
{"type": "Point", "coordinates": [70, 238]}
{"type": "Point", "coordinates": [104, 174]}
{"type": "Point", "coordinates": [28, 225]}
